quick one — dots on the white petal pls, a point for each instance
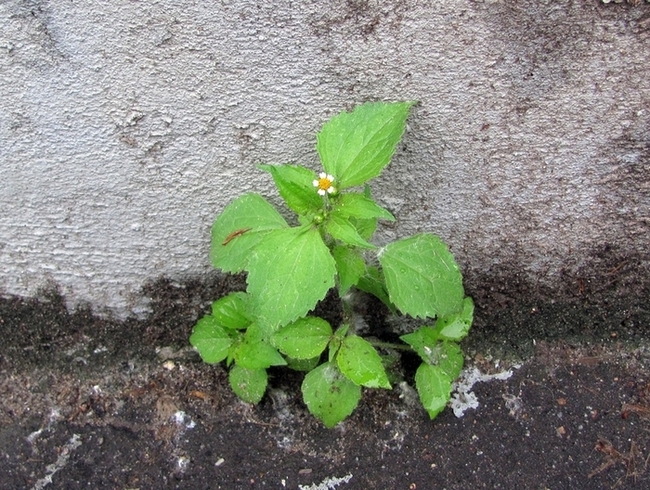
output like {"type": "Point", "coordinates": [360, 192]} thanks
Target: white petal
{"type": "Point", "coordinates": [330, 178]}
{"type": "Point", "coordinates": [321, 192]}
{"type": "Point", "coordinates": [322, 175]}
{"type": "Point", "coordinates": [315, 182]}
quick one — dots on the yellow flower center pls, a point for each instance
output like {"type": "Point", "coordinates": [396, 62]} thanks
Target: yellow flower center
{"type": "Point", "coordinates": [324, 183]}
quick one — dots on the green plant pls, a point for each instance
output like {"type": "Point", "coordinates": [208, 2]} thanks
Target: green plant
{"type": "Point", "coordinates": [291, 268]}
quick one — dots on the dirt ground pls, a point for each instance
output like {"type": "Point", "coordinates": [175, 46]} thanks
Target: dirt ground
{"type": "Point", "coordinates": [90, 402]}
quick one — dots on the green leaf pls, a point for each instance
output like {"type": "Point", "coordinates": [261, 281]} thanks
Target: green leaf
{"type": "Point", "coordinates": [356, 205]}
{"type": "Point", "coordinates": [255, 353]}
{"type": "Point", "coordinates": [329, 395]}
{"type": "Point", "coordinates": [355, 147]}
{"type": "Point", "coordinates": [353, 219]}
{"type": "Point", "coordinates": [289, 272]}
{"type": "Point", "coordinates": [422, 277]}
{"type": "Point", "coordinates": [427, 343]}
{"type": "Point", "coordinates": [305, 338]}
{"type": "Point", "coordinates": [451, 359]}
{"type": "Point", "coordinates": [231, 311]}
{"type": "Point", "coordinates": [365, 227]}
{"type": "Point", "coordinates": [304, 365]}
{"type": "Point", "coordinates": [358, 360]}
{"type": "Point", "coordinates": [237, 339]}
{"type": "Point", "coordinates": [295, 185]}
{"type": "Point", "coordinates": [457, 325]}
{"type": "Point", "coordinates": [373, 282]}
{"type": "Point", "coordinates": [210, 340]}
{"type": "Point", "coordinates": [434, 388]}
{"type": "Point", "coordinates": [248, 384]}
{"type": "Point", "coordinates": [239, 228]}
{"type": "Point", "coordinates": [337, 340]}
{"type": "Point", "coordinates": [424, 341]}
{"type": "Point", "coordinates": [341, 229]}
{"type": "Point", "coordinates": [350, 266]}
{"type": "Point", "coordinates": [258, 355]}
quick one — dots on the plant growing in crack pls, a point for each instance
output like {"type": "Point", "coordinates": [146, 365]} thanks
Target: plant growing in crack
{"type": "Point", "coordinates": [291, 268]}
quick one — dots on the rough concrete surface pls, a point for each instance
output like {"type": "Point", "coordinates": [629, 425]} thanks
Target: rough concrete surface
{"type": "Point", "coordinates": [126, 126]}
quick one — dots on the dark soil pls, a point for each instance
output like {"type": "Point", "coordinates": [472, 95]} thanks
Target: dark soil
{"type": "Point", "coordinates": [89, 402]}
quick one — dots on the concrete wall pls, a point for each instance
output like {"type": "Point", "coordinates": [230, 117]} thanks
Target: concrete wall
{"type": "Point", "coordinates": [126, 126]}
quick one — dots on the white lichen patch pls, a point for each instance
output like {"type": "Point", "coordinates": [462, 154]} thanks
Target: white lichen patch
{"type": "Point", "coordinates": [327, 484]}
{"type": "Point", "coordinates": [61, 461]}
{"type": "Point", "coordinates": [54, 416]}
{"type": "Point", "coordinates": [183, 420]}
{"type": "Point", "coordinates": [463, 399]}
{"type": "Point", "coordinates": [285, 437]}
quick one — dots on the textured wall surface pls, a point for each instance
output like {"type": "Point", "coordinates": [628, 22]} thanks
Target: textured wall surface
{"type": "Point", "coordinates": [126, 126]}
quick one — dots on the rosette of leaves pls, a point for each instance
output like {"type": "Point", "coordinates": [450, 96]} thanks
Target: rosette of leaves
{"type": "Point", "coordinates": [291, 268]}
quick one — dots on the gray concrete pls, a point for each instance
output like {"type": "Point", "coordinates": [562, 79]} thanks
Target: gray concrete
{"type": "Point", "coordinates": [125, 127]}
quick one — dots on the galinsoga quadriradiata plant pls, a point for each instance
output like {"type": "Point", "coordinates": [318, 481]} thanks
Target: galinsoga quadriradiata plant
{"type": "Point", "coordinates": [291, 268]}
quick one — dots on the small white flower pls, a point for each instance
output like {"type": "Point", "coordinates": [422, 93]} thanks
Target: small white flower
{"type": "Point", "coordinates": [324, 184]}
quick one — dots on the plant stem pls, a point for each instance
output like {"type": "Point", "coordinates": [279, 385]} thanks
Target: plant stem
{"type": "Point", "coordinates": [348, 311]}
